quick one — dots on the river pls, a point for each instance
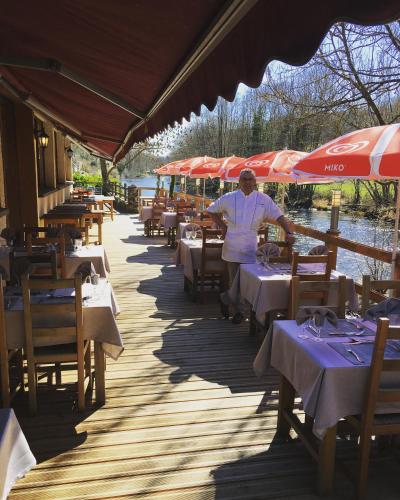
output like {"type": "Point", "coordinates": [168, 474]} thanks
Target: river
{"type": "Point", "coordinates": [359, 229]}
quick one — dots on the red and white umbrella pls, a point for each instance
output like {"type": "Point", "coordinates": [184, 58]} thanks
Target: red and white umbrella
{"type": "Point", "coordinates": [273, 166]}
{"type": "Point", "coordinates": [214, 167]}
{"type": "Point", "coordinates": [182, 167]}
{"type": "Point", "coordinates": [369, 154]}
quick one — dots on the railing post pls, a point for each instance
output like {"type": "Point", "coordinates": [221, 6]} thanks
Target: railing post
{"type": "Point", "coordinates": [332, 246]}
{"type": "Point", "coordinates": [125, 193]}
{"type": "Point", "coordinates": [396, 274]}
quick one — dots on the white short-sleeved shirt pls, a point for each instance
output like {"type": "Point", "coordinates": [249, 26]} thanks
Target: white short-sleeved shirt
{"type": "Point", "coordinates": [243, 215]}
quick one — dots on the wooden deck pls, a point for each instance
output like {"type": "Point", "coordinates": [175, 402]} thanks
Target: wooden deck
{"type": "Point", "coordinates": [185, 417]}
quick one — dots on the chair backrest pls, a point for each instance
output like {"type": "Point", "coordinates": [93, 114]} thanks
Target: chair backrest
{"type": "Point", "coordinates": [98, 190]}
{"type": "Point", "coordinates": [204, 223]}
{"type": "Point", "coordinates": [45, 264]}
{"type": "Point", "coordinates": [52, 322]}
{"type": "Point", "coordinates": [330, 294]}
{"type": "Point", "coordinates": [262, 235]}
{"type": "Point", "coordinates": [211, 248]}
{"type": "Point", "coordinates": [157, 211]}
{"type": "Point", "coordinates": [285, 251]}
{"type": "Point", "coordinates": [324, 275]}
{"type": "Point", "coordinates": [377, 394]}
{"type": "Point", "coordinates": [374, 290]}
{"type": "Point", "coordinates": [34, 239]}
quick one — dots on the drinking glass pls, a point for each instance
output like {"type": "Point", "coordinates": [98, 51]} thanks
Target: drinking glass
{"type": "Point", "coordinates": [316, 329]}
{"type": "Point", "coordinates": [95, 281]}
{"type": "Point", "coordinates": [188, 235]}
{"type": "Point", "coordinates": [303, 335]}
{"type": "Point", "coordinates": [193, 234]}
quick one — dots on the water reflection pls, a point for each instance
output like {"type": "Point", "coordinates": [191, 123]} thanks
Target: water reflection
{"type": "Point", "coordinates": [361, 230]}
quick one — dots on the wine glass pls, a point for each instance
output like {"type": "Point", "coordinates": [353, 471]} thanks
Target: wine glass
{"type": "Point", "coordinates": [315, 328]}
{"type": "Point", "coordinates": [95, 281]}
{"type": "Point", "coordinates": [303, 335]}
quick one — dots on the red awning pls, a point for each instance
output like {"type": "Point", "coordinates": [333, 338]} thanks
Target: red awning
{"type": "Point", "coordinates": [114, 72]}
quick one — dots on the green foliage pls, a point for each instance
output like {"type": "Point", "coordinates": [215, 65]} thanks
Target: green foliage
{"type": "Point", "coordinates": [84, 179]}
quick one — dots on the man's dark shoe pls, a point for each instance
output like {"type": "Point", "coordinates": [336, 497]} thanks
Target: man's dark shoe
{"type": "Point", "coordinates": [224, 309]}
{"type": "Point", "coordinates": [237, 318]}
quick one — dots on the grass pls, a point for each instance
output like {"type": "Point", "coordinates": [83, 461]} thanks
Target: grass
{"type": "Point", "coordinates": [347, 188]}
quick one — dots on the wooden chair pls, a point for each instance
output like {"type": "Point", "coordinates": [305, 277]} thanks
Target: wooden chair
{"type": "Point", "coordinates": [154, 222]}
{"type": "Point", "coordinates": [369, 423]}
{"type": "Point", "coordinates": [6, 357]}
{"type": "Point", "coordinates": [62, 341]}
{"type": "Point", "coordinates": [45, 264]}
{"type": "Point", "coordinates": [313, 259]}
{"type": "Point", "coordinates": [328, 294]}
{"type": "Point", "coordinates": [262, 235]}
{"type": "Point", "coordinates": [212, 268]}
{"type": "Point", "coordinates": [374, 290]}
{"type": "Point", "coordinates": [33, 239]}
{"type": "Point", "coordinates": [256, 327]}
{"type": "Point", "coordinates": [286, 252]}
{"type": "Point", "coordinates": [71, 233]}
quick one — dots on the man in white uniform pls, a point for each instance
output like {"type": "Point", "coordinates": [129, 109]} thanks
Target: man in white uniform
{"type": "Point", "coordinates": [240, 215]}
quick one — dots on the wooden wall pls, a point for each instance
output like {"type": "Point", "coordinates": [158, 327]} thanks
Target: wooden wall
{"type": "Point", "coordinates": [19, 184]}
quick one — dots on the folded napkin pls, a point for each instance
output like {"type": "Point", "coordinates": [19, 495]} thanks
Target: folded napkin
{"type": "Point", "coordinates": [319, 250]}
{"type": "Point", "coordinates": [267, 250]}
{"type": "Point", "coordinates": [383, 309]}
{"type": "Point", "coordinates": [319, 313]}
{"type": "Point", "coordinates": [86, 269]}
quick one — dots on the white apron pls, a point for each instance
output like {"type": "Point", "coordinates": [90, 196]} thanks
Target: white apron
{"type": "Point", "coordinates": [240, 243]}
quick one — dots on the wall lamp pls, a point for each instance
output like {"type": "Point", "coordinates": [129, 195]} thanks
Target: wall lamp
{"type": "Point", "coordinates": [42, 137]}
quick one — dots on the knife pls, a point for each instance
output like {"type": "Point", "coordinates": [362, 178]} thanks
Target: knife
{"type": "Point", "coordinates": [360, 360]}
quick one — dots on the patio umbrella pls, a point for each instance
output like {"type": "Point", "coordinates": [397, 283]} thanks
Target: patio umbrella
{"type": "Point", "coordinates": [182, 167]}
{"type": "Point", "coordinates": [273, 166]}
{"type": "Point", "coordinates": [369, 154]}
{"type": "Point", "coordinates": [212, 169]}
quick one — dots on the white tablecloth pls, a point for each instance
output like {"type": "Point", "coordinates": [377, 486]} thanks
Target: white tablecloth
{"type": "Point", "coordinates": [268, 290]}
{"type": "Point", "coordinates": [188, 254]}
{"type": "Point", "coordinates": [93, 253]}
{"type": "Point", "coordinates": [168, 220]}
{"type": "Point", "coordinates": [330, 386]}
{"type": "Point", "coordinates": [146, 213]}
{"type": "Point", "coordinates": [98, 319]}
{"type": "Point", "coordinates": [180, 233]}
{"type": "Point", "coordinates": [16, 458]}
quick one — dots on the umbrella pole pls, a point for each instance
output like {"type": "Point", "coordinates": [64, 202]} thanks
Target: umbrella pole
{"type": "Point", "coordinates": [396, 231]}
{"type": "Point", "coordinates": [204, 193]}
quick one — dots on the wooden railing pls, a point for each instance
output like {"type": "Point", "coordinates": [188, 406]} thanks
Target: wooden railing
{"type": "Point", "coordinates": [330, 238]}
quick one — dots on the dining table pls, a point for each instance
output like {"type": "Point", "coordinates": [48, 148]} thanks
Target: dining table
{"type": "Point", "coordinates": [188, 255]}
{"type": "Point", "coordinates": [266, 287]}
{"type": "Point", "coordinates": [102, 202]}
{"type": "Point", "coordinates": [168, 220]}
{"type": "Point", "coordinates": [329, 371]}
{"type": "Point", "coordinates": [99, 310]}
{"type": "Point", "coordinates": [16, 458]}
{"type": "Point", "coordinates": [146, 213]}
{"type": "Point", "coordinates": [96, 254]}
